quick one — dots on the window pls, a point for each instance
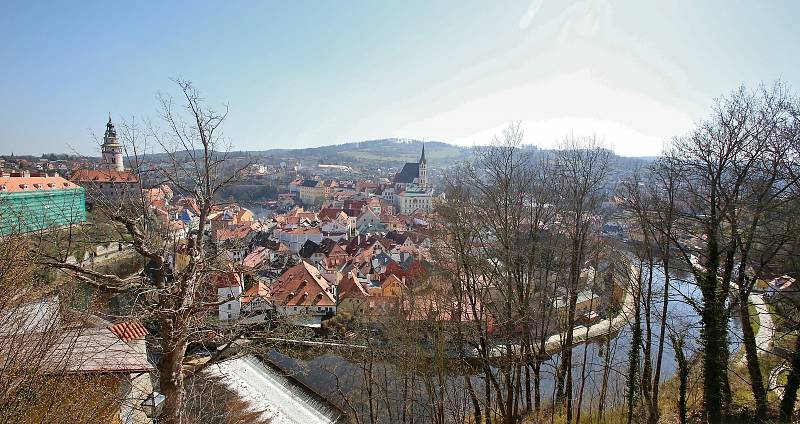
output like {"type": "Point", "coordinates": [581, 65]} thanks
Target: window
{"type": "Point", "coordinates": [229, 307]}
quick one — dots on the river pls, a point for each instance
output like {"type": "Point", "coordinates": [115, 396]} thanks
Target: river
{"type": "Point", "coordinates": [333, 375]}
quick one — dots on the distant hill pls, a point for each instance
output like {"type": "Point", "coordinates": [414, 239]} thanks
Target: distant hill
{"type": "Point", "coordinates": [383, 152]}
{"type": "Point", "coordinates": [389, 150]}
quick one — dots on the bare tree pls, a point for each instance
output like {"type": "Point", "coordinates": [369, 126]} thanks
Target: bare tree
{"type": "Point", "coordinates": [174, 299]}
{"type": "Point", "coordinates": [735, 173]}
{"type": "Point", "coordinates": [582, 165]}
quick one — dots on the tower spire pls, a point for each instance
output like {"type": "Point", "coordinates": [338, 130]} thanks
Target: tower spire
{"type": "Point", "coordinates": [422, 158]}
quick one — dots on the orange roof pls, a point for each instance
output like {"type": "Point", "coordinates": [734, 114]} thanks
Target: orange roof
{"type": "Point", "coordinates": [255, 258]}
{"type": "Point", "coordinates": [312, 230]}
{"type": "Point", "coordinates": [302, 285]}
{"type": "Point", "coordinates": [329, 213]}
{"type": "Point", "coordinates": [232, 232]}
{"type": "Point", "coordinates": [391, 279]}
{"type": "Point", "coordinates": [103, 176]}
{"type": "Point", "coordinates": [225, 279]}
{"type": "Point", "coordinates": [128, 331]}
{"type": "Point", "coordinates": [259, 289]}
{"type": "Point", "coordinates": [37, 183]}
{"type": "Point", "coordinates": [349, 286]}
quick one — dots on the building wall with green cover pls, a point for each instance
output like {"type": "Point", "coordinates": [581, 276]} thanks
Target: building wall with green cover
{"type": "Point", "coordinates": [28, 211]}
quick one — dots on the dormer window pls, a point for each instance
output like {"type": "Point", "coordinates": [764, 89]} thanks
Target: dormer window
{"type": "Point", "coordinates": [2, 187]}
{"type": "Point", "coordinates": [51, 185]}
{"type": "Point", "coordinates": [23, 186]}
{"type": "Point", "coordinates": [37, 185]}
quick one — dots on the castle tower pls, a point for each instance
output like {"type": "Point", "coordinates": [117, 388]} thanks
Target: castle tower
{"type": "Point", "coordinates": [111, 149]}
{"type": "Point", "coordinates": [423, 169]}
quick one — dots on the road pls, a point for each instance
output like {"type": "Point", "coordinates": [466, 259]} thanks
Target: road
{"type": "Point", "coordinates": [765, 327]}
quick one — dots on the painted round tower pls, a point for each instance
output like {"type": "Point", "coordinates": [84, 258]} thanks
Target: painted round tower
{"type": "Point", "coordinates": [112, 149]}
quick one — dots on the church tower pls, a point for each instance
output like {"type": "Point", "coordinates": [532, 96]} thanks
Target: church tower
{"type": "Point", "coordinates": [423, 169]}
{"type": "Point", "coordinates": [112, 149]}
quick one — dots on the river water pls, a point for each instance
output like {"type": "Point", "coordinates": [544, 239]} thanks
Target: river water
{"type": "Point", "coordinates": [339, 377]}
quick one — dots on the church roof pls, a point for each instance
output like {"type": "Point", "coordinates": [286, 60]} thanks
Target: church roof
{"type": "Point", "coordinates": [407, 175]}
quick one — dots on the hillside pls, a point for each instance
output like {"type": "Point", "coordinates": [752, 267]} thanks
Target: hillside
{"type": "Point", "coordinates": [392, 151]}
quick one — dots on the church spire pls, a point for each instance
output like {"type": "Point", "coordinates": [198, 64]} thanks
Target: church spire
{"type": "Point", "coordinates": [422, 158]}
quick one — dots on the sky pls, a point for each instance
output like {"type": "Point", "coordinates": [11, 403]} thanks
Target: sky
{"type": "Point", "coordinates": [313, 73]}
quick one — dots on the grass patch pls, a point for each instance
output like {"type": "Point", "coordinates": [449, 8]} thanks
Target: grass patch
{"type": "Point", "coordinates": [755, 321]}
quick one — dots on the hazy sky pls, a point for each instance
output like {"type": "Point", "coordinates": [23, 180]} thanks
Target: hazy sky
{"type": "Point", "coordinates": [324, 72]}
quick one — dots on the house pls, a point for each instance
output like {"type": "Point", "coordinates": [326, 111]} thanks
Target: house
{"type": "Point", "coordinates": [334, 221]}
{"type": "Point", "coordinates": [414, 198]}
{"type": "Point", "coordinates": [336, 257]}
{"type": "Point", "coordinates": [783, 288]}
{"type": "Point", "coordinates": [367, 219]}
{"type": "Point", "coordinates": [295, 238]}
{"type": "Point", "coordinates": [88, 361]}
{"type": "Point", "coordinates": [392, 286]}
{"type": "Point", "coordinates": [229, 216]}
{"type": "Point", "coordinates": [105, 185]}
{"type": "Point", "coordinates": [234, 241]}
{"type": "Point", "coordinates": [312, 192]}
{"type": "Point", "coordinates": [256, 303]}
{"type": "Point", "coordinates": [303, 295]}
{"type": "Point", "coordinates": [294, 186]}
{"type": "Point", "coordinates": [308, 249]}
{"type": "Point", "coordinates": [587, 301]}
{"type": "Point", "coordinates": [160, 192]}
{"type": "Point", "coordinates": [353, 294]}
{"type": "Point", "coordinates": [229, 287]}
{"type": "Point", "coordinates": [34, 202]}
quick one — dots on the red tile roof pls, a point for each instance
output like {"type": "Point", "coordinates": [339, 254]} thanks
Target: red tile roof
{"type": "Point", "coordinates": [259, 289]}
{"type": "Point", "coordinates": [103, 176]}
{"type": "Point", "coordinates": [128, 331]}
{"type": "Point", "coordinates": [302, 285]}
{"type": "Point", "coordinates": [349, 286]}
{"type": "Point", "coordinates": [232, 232]}
{"type": "Point", "coordinates": [36, 183]}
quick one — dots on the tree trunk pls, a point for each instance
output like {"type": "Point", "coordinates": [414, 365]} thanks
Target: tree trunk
{"type": "Point", "coordinates": [683, 377]}
{"type": "Point", "coordinates": [633, 357]}
{"type": "Point", "coordinates": [170, 375]}
{"type": "Point", "coordinates": [751, 353]}
{"type": "Point", "coordinates": [792, 384]}
{"type": "Point", "coordinates": [604, 383]}
{"type": "Point", "coordinates": [537, 385]}
{"type": "Point", "coordinates": [654, 411]}
{"type": "Point", "coordinates": [712, 352]}
{"type": "Point", "coordinates": [476, 406]}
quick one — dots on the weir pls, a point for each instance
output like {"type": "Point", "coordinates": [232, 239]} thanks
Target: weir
{"type": "Point", "coordinates": [281, 397]}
